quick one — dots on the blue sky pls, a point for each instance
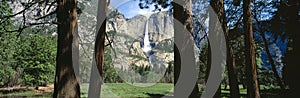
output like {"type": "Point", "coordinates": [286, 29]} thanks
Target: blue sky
{"type": "Point", "coordinates": [130, 8]}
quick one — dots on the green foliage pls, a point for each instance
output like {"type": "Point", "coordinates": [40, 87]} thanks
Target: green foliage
{"type": "Point", "coordinates": [166, 46]}
{"type": "Point", "coordinates": [5, 10]}
{"type": "Point", "coordinates": [8, 43]}
{"type": "Point", "coordinates": [5, 22]}
{"type": "Point", "coordinates": [169, 75]}
{"type": "Point", "coordinates": [238, 47]}
{"type": "Point", "coordinates": [110, 74]}
{"type": "Point", "coordinates": [8, 53]}
{"type": "Point", "coordinates": [6, 74]}
{"type": "Point", "coordinates": [203, 58]}
{"type": "Point", "coordinates": [29, 59]}
{"type": "Point", "coordinates": [266, 78]}
{"type": "Point", "coordinates": [239, 55]}
{"type": "Point", "coordinates": [38, 59]}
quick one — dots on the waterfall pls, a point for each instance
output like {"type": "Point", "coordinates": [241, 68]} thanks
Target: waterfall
{"type": "Point", "coordinates": [146, 48]}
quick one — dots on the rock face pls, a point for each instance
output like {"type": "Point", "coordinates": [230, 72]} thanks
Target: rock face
{"type": "Point", "coordinates": [128, 39]}
{"type": "Point", "coordinates": [160, 25]}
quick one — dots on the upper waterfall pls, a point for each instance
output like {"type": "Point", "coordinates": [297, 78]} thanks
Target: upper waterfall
{"type": "Point", "coordinates": [146, 48]}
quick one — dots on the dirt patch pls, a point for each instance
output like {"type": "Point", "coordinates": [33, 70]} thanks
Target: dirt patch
{"type": "Point", "coordinates": [48, 88]}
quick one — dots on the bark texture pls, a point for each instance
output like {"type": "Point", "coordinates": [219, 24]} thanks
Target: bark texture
{"type": "Point", "coordinates": [251, 74]}
{"type": "Point", "coordinates": [218, 6]}
{"type": "Point", "coordinates": [66, 84]}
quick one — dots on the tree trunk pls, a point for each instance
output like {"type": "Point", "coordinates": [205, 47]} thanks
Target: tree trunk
{"type": "Point", "coordinates": [292, 56]}
{"type": "Point", "coordinates": [184, 15]}
{"type": "Point", "coordinates": [97, 67]}
{"type": "Point", "coordinates": [232, 75]}
{"type": "Point", "coordinates": [251, 74]}
{"type": "Point", "coordinates": [66, 84]}
{"type": "Point", "coordinates": [279, 81]}
{"type": "Point", "coordinates": [218, 6]}
{"type": "Point", "coordinates": [75, 53]}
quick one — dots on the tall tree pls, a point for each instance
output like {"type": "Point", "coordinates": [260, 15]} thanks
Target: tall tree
{"type": "Point", "coordinates": [218, 6]}
{"type": "Point", "coordinates": [184, 15]}
{"type": "Point", "coordinates": [290, 12]}
{"type": "Point", "coordinates": [75, 53]}
{"type": "Point", "coordinates": [271, 60]}
{"type": "Point", "coordinates": [261, 30]}
{"type": "Point", "coordinates": [252, 83]}
{"type": "Point", "coordinates": [97, 67]}
{"type": "Point", "coordinates": [66, 84]}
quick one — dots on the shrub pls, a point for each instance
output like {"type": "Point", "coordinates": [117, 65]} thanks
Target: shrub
{"type": "Point", "coordinates": [38, 59]}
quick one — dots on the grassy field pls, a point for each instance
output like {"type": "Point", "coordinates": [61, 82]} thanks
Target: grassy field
{"type": "Point", "coordinates": [123, 90]}
{"type": "Point", "coordinates": [109, 90]}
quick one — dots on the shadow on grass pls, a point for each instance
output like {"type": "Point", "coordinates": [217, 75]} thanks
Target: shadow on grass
{"type": "Point", "coordinates": [13, 90]}
{"type": "Point", "coordinates": [268, 93]}
{"type": "Point", "coordinates": [157, 95]}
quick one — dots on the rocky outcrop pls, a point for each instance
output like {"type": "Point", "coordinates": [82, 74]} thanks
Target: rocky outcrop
{"type": "Point", "coordinates": [128, 39]}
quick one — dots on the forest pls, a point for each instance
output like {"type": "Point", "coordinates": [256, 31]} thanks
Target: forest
{"type": "Point", "coordinates": [149, 48]}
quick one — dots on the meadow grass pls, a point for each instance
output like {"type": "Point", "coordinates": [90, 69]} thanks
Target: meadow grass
{"type": "Point", "coordinates": [124, 90]}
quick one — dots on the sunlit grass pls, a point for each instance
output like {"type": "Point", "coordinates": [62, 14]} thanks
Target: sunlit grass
{"type": "Point", "coordinates": [109, 90]}
{"type": "Point", "coordinates": [124, 90]}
